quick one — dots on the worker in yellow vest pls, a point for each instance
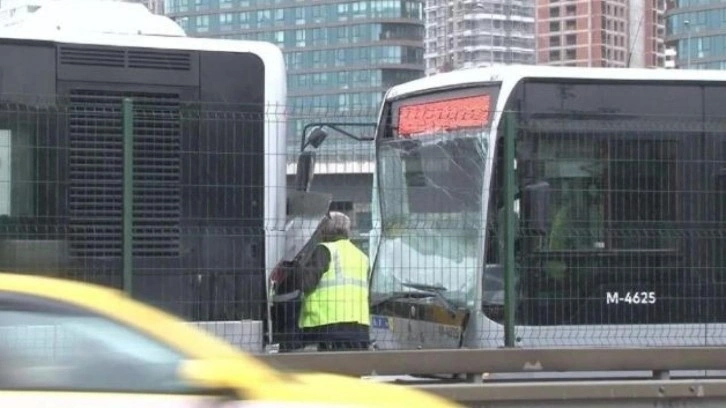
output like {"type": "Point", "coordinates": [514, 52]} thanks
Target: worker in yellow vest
{"type": "Point", "coordinates": [334, 282]}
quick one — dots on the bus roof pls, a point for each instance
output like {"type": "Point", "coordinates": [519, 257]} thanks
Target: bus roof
{"type": "Point", "coordinates": [515, 73]}
{"type": "Point", "coordinates": [91, 16]}
{"type": "Point", "coordinates": [122, 24]}
{"type": "Point", "coordinates": [119, 23]}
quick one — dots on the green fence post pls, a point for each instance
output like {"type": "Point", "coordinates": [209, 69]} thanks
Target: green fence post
{"type": "Point", "coordinates": [509, 294]}
{"type": "Point", "coordinates": [128, 193]}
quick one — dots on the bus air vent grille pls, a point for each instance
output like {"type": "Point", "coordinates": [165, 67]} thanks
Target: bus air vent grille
{"type": "Point", "coordinates": [164, 60]}
{"type": "Point", "coordinates": [96, 173]}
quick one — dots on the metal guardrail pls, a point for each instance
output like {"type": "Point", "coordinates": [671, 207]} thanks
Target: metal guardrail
{"type": "Point", "coordinates": [476, 362]}
{"type": "Point", "coordinates": [569, 392]}
{"type": "Point", "coordinates": [624, 393]}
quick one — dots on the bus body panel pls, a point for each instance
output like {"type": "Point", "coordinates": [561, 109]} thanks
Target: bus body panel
{"type": "Point", "coordinates": [687, 320]}
{"type": "Point", "coordinates": [218, 79]}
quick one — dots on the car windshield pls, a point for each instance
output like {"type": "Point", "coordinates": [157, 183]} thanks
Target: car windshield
{"type": "Point", "coordinates": [82, 352]}
{"type": "Point", "coordinates": [431, 208]}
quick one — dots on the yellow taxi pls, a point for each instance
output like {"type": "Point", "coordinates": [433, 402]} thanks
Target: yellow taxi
{"type": "Point", "coordinates": [65, 343]}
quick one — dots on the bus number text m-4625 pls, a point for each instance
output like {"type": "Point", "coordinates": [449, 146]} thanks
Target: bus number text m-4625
{"type": "Point", "coordinates": [630, 298]}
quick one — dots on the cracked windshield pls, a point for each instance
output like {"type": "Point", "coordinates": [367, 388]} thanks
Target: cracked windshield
{"type": "Point", "coordinates": [430, 180]}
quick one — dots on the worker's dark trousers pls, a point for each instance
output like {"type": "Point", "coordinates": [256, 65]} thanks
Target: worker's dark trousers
{"type": "Point", "coordinates": [338, 337]}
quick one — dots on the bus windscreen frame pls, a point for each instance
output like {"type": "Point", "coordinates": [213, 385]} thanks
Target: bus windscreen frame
{"type": "Point", "coordinates": [401, 230]}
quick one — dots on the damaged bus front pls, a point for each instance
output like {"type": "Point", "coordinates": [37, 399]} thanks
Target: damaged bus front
{"type": "Point", "coordinates": [432, 155]}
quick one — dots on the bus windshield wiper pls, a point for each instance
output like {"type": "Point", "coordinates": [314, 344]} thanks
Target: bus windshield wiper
{"type": "Point", "coordinates": [425, 288]}
{"type": "Point", "coordinates": [402, 295]}
{"type": "Point", "coordinates": [423, 291]}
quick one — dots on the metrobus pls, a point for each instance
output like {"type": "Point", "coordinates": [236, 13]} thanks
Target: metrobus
{"type": "Point", "coordinates": [618, 209]}
{"type": "Point", "coordinates": [210, 200]}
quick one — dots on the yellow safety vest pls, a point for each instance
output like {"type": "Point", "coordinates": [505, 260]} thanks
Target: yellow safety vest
{"type": "Point", "coordinates": [342, 294]}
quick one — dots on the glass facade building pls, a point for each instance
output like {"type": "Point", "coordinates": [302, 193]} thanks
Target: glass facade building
{"type": "Point", "coordinates": [341, 56]}
{"type": "Point", "coordinates": [696, 29]}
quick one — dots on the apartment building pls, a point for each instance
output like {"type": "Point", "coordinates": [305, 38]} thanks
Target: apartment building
{"type": "Point", "coordinates": [475, 33]}
{"type": "Point", "coordinates": [601, 33]}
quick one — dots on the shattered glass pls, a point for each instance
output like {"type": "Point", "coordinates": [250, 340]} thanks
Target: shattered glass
{"type": "Point", "coordinates": [431, 198]}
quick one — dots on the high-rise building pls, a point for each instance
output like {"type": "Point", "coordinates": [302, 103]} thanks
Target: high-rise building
{"type": "Point", "coordinates": [475, 33]}
{"type": "Point", "coordinates": [601, 33]}
{"type": "Point", "coordinates": [341, 57]}
{"type": "Point", "coordinates": [340, 54]}
{"type": "Point", "coordinates": [670, 58]}
{"type": "Point", "coordinates": [696, 29]}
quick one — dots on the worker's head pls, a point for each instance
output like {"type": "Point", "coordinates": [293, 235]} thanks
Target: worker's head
{"type": "Point", "coordinates": [335, 226]}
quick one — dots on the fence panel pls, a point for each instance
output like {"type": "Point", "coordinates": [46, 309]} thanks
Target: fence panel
{"type": "Point", "coordinates": [181, 204]}
{"type": "Point", "coordinates": [613, 236]}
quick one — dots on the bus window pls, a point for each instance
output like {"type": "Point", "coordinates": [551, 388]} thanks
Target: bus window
{"type": "Point", "coordinates": [18, 164]}
{"type": "Point", "coordinates": [617, 207]}
{"type": "Point", "coordinates": [613, 209]}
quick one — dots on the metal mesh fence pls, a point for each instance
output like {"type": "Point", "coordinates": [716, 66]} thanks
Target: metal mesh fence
{"type": "Point", "coordinates": [607, 231]}
{"type": "Point", "coordinates": [171, 201]}
{"type": "Point", "coordinates": [181, 204]}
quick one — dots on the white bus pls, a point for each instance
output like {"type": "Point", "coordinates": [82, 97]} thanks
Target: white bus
{"type": "Point", "coordinates": [619, 202]}
{"type": "Point", "coordinates": [209, 132]}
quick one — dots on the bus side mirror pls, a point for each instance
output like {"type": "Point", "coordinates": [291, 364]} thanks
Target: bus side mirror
{"type": "Point", "coordinates": [317, 137]}
{"type": "Point", "coordinates": [536, 203]}
{"type": "Point", "coordinates": [304, 174]}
